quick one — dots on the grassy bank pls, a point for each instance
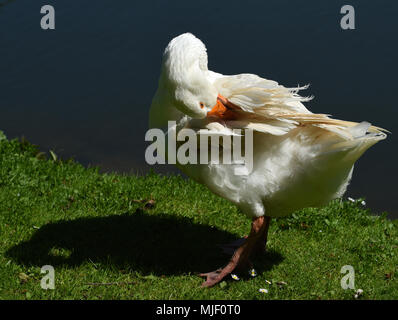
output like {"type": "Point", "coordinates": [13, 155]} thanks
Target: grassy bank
{"type": "Point", "coordinates": [112, 236]}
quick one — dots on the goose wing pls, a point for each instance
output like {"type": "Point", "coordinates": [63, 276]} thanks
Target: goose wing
{"type": "Point", "coordinates": [266, 106]}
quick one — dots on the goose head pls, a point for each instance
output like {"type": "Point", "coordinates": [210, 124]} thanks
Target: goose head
{"type": "Point", "coordinates": [184, 83]}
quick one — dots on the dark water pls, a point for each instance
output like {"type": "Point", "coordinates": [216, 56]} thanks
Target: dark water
{"type": "Point", "coordinates": [84, 89]}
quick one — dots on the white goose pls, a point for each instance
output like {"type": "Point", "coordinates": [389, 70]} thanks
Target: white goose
{"type": "Point", "coordinates": [300, 159]}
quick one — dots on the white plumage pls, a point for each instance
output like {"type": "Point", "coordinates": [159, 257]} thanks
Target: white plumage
{"type": "Point", "coordinates": [301, 159]}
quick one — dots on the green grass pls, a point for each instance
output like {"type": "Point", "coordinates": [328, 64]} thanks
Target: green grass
{"type": "Point", "coordinates": [106, 242]}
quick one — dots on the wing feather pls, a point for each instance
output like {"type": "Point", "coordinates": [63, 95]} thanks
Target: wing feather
{"type": "Point", "coordinates": [265, 106]}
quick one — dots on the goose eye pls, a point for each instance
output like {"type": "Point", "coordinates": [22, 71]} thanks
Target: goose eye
{"type": "Point", "coordinates": [202, 105]}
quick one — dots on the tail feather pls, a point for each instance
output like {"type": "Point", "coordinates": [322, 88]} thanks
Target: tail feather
{"type": "Point", "coordinates": [364, 136]}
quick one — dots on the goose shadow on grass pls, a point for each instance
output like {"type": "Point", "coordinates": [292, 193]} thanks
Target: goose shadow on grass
{"type": "Point", "coordinates": [162, 244]}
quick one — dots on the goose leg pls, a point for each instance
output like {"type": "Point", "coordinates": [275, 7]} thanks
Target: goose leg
{"type": "Point", "coordinates": [240, 258]}
{"type": "Point", "coordinates": [229, 248]}
{"type": "Point", "coordinates": [261, 244]}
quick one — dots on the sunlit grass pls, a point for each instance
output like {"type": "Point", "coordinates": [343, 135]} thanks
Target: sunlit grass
{"type": "Point", "coordinates": [106, 241]}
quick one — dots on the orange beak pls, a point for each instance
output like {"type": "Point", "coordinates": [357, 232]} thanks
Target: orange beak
{"type": "Point", "coordinates": [221, 110]}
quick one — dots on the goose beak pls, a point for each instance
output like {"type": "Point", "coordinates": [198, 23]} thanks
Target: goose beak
{"type": "Point", "coordinates": [222, 110]}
